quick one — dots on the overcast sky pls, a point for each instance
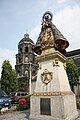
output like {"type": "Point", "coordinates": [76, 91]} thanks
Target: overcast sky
{"type": "Point", "coordinates": [20, 16]}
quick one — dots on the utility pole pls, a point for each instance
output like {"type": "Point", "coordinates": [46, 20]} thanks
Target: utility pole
{"type": "Point", "coordinates": [30, 80]}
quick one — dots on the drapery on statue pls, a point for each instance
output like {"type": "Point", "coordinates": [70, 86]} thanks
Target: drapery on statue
{"type": "Point", "coordinates": [50, 36]}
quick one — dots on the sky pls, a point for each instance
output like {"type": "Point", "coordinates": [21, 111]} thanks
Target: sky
{"type": "Point", "coordinates": [18, 17]}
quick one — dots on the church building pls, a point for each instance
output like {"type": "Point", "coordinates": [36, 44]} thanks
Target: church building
{"type": "Point", "coordinates": [25, 63]}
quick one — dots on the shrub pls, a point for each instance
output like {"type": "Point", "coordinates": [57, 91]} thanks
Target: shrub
{"type": "Point", "coordinates": [78, 105]}
{"type": "Point", "coordinates": [24, 103]}
{"type": "Point", "coordinates": [21, 107]}
{"type": "Point", "coordinates": [78, 101]}
{"type": "Point", "coordinates": [27, 97]}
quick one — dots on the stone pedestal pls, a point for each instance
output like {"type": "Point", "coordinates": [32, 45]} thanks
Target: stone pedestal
{"type": "Point", "coordinates": [52, 98]}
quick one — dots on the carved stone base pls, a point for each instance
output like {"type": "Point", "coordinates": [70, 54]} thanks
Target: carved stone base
{"type": "Point", "coordinates": [53, 118]}
{"type": "Point", "coordinates": [52, 98]}
{"type": "Point", "coordinates": [61, 108]}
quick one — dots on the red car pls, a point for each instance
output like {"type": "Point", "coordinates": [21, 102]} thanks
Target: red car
{"type": "Point", "coordinates": [15, 96]}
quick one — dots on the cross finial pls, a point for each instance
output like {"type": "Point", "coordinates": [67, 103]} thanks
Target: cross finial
{"type": "Point", "coordinates": [26, 35]}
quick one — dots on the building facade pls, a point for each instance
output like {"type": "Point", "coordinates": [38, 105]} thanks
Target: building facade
{"type": "Point", "coordinates": [25, 63]}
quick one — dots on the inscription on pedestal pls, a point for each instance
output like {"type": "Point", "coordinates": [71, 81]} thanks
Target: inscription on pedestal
{"type": "Point", "coordinates": [45, 106]}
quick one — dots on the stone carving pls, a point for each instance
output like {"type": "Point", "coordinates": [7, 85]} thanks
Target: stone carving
{"type": "Point", "coordinates": [39, 66]}
{"type": "Point", "coordinates": [56, 62]}
{"type": "Point", "coordinates": [46, 76]}
{"type": "Point", "coordinates": [64, 65]}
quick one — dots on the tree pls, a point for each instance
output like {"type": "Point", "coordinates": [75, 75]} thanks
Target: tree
{"type": "Point", "coordinates": [72, 72]}
{"type": "Point", "coordinates": [9, 82]}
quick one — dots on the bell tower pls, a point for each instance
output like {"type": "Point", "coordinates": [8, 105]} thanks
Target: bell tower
{"type": "Point", "coordinates": [25, 62]}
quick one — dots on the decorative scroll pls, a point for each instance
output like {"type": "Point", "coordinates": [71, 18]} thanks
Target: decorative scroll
{"type": "Point", "coordinates": [39, 66]}
{"type": "Point", "coordinates": [56, 62]}
{"type": "Point", "coordinates": [64, 65]}
{"type": "Point", "coordinates": [46, 76]}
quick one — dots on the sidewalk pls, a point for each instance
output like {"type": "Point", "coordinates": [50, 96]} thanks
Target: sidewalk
{"type": "Point", "coordinates": [20, 115]}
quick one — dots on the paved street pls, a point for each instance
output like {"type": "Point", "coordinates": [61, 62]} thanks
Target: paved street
{"type": "Point", "coordinates": [18, 115]}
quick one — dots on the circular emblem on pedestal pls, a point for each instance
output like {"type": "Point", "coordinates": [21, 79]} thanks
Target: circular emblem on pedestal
{"type": "Point", "coordinates": [46, 76]}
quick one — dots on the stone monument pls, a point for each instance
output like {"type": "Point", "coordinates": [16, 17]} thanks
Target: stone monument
{"type": "Point", "coordinates": [52, 98]}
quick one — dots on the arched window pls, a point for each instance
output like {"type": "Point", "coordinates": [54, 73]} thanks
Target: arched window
{"type": "Point", "coordinates": [19, 60]}
{"type": "Point", "coordinates": [18, 73]}
{"type": "Point", "coordinates": [26, 73]}
{"type": "Point", "coordinates": [33, 72]}
{"type": "Point", "coordinates": [26, 49]}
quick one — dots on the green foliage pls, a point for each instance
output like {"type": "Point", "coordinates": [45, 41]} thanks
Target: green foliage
{"type": "Point", "coordinates": [9, 82]}
{"type": "Point", "coordinates": [21, 107]}
{"type": "Point", "coordinates": [78, 105]}
{"type": "Point", "coordinates": [72, 72]}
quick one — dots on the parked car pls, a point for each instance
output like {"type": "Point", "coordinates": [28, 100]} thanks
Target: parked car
{"type": "Point", "coordinates": [15, 96]}
{"type": "Point", "coordinates": [5, 100]}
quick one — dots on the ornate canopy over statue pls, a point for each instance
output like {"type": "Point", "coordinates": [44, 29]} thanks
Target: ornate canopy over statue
{"type": "Point", "coordinates": [50, 36]}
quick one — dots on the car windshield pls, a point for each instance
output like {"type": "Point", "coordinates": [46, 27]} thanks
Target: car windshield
{"type": "Point", "coordinates": [12, 94]}
{"type": "Point", "coordinates": [2, 93]}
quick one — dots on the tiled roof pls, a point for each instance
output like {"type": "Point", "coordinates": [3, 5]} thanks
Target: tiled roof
{"type": "Point", "coordinates": [73, 53]}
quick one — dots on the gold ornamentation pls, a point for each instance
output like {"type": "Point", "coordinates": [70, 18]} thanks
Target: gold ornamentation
{"type": "Point", "coordinates": [47, 35]}
{"type": "Point", "coordinates": [47, 38]}
{"type": "Point", "coordinates": [46, 76]}
{"type": "Point", "coordinates": [39, 66]}
{"type": "Point", "coordinates": [53, 93]}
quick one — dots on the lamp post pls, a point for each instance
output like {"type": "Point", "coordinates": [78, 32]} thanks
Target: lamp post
{"type": "Point", "coordinates": [30, 80]}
